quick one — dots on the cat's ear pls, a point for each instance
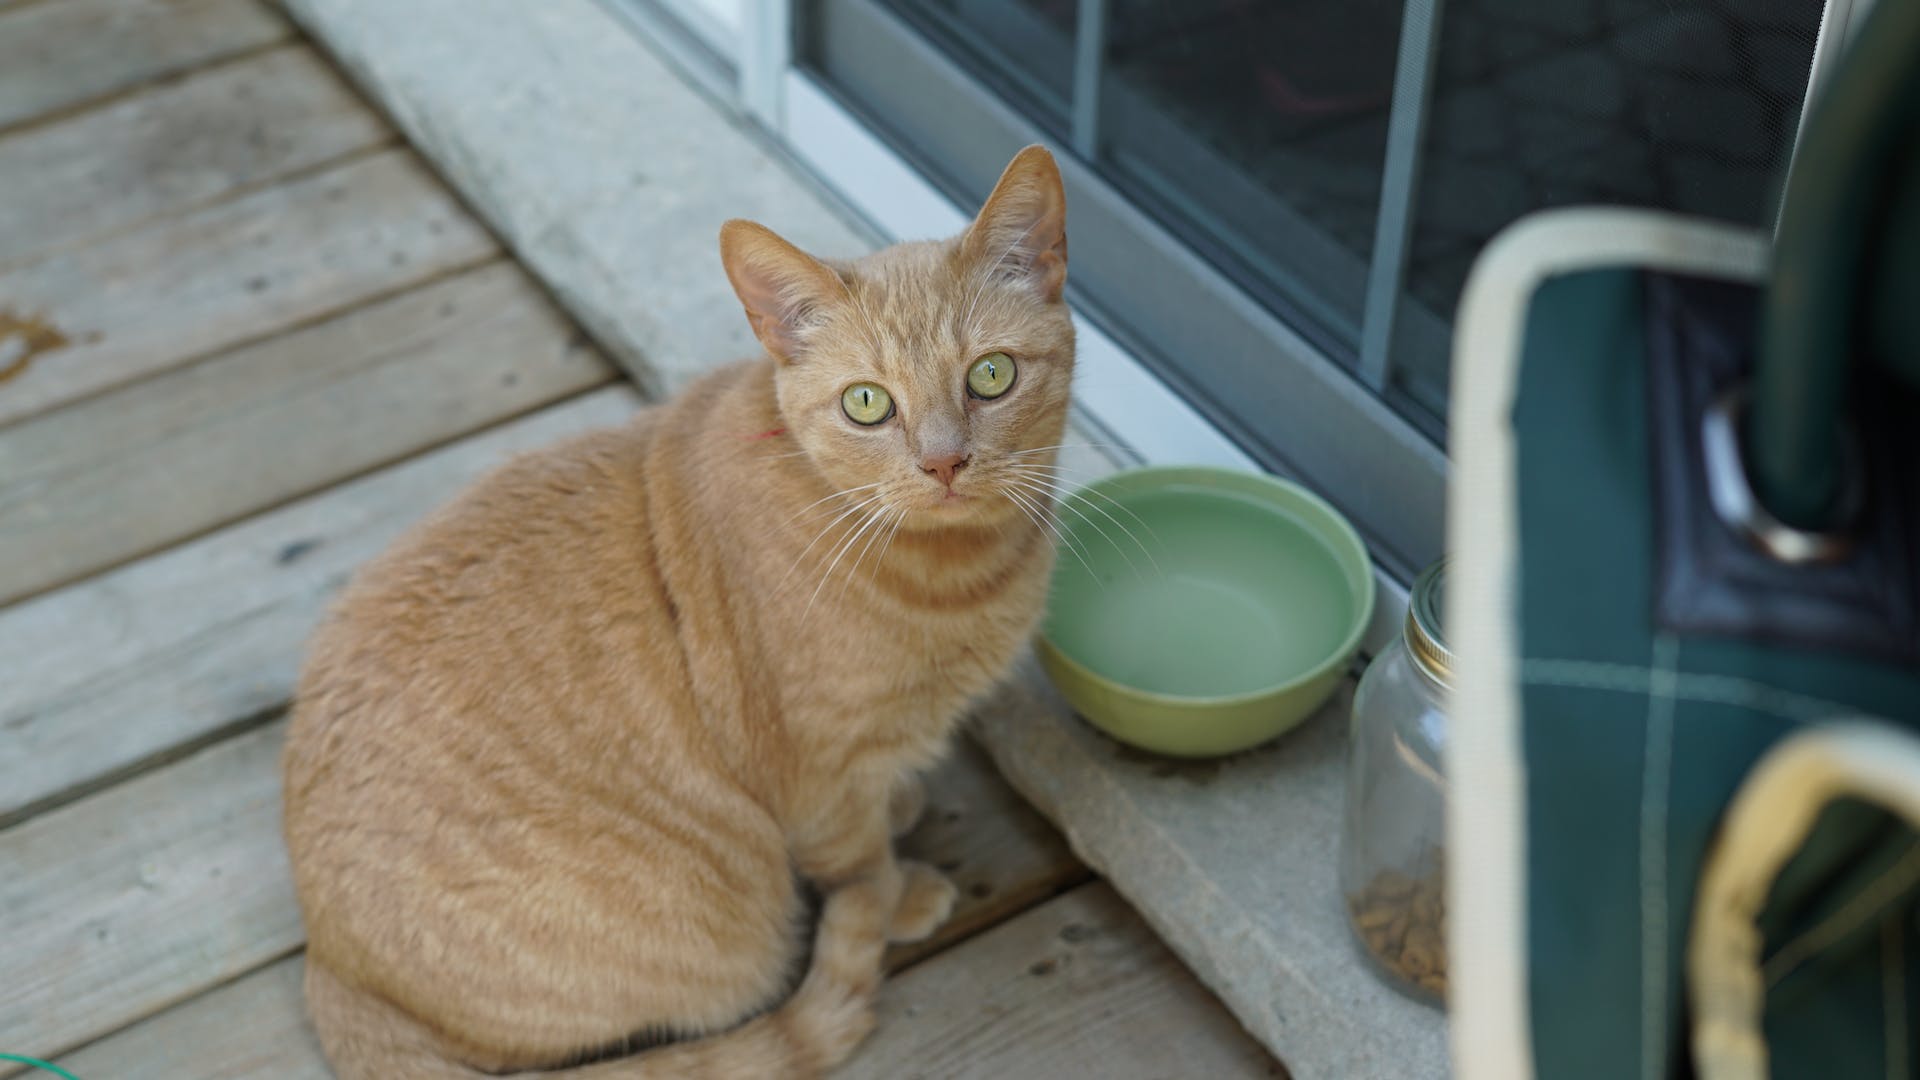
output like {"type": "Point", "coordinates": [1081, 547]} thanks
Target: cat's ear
{"type": "Point", "coordinates": [783, 288]}
{"type": "Point", "coordinates": [1021, 232]}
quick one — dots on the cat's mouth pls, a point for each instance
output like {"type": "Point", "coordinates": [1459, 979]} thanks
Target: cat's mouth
{"type": "Point", "coordinates": [950, 504]}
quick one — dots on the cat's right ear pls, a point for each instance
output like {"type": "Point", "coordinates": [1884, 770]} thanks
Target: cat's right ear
{"type": "Point", "coordinates": [1021, 232]}
{"type": "Point", "coordinates": [783, 288]}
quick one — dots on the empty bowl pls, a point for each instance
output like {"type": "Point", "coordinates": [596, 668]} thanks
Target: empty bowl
{"type": "Point", "coordinates": [1199, 611]}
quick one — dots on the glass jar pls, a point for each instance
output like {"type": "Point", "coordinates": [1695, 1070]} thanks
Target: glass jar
{"type": "Point", "coordinates": [1392, 860]}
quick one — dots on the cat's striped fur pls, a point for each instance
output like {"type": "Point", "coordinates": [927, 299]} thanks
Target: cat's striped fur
{"type": "Point", "coordinates": [558, 755]}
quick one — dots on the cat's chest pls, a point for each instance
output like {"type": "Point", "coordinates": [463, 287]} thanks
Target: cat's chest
{"type": "Point", "coordinates": [918, 666]}
{"type": "Point", "coordinates": [917, 635]}
{"type": "Point", "coordinates": [961, 663]}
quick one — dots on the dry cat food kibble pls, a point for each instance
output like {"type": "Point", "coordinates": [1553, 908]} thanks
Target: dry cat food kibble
{"type": "Point", "coordinates": [1402, 921]}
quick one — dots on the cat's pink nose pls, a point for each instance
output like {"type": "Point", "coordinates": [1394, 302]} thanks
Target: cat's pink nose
{"type": "Point", "coordinates": [944, 466]}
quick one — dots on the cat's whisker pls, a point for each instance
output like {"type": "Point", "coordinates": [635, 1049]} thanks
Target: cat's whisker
{"type": "Point", "coordinates": [827, 518]}
{"type": "Point", "coordinates": [899, 520]}
{"type": "Point", "coordinates": [1076, 470]}
{"type": "Point", "coordinates": [1027, 458]}
{"type": "Point", "coordinates": [1025, 509]}
{"type": "Point", "coordinates": [1042, 519]}
{"type": "Point", "coordinates": [839, 549]}
{"type": "Point", "coordinates": [1050, 522]}
{"type": "Point", "coordinates": [1092, 524]}
{"type": "Point", "coordinates": [834, 511]}
{"type": "Point", "coordinates": [1087, 497]}
{"type": "Point", "coordinates": [800, 558]}
{"type": "Point", "coordinates": [1067, 446]}
{"type": "Point", "coordinates": [830, 527]}
{"type": "Point", "coordinates": [1081, 474]}
{"type": "Point", "coordinates": [872, 519]}
{"type": "Point", "coordinates": [1052, 499]}
{"type": "Point", "coordinates": [887, 517]}
{"type": "Point", "coordinates": [1058, 464]}
{"type": "Point", "coordinates": [1086, 493]}
{"type": "Point", "coordinates": [802, 512]}
{"type": "Point", "coordinates": [1065, 497]}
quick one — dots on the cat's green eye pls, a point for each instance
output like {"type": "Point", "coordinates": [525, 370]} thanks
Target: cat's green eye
{"type": "Point", "coordinates": [866, 403]}
{"type": "Point", "coordinates": [991, 375]}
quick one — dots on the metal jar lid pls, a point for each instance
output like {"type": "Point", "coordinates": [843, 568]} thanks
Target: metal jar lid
{"type": "Point", "coordinates": [1425, 642]}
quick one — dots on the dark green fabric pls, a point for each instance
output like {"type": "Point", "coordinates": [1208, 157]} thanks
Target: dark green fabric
{"type": "Point", "coordinates": [1896, 333]}
{"type": "Point", "coordinates": [1590, 648]}
{"type": "Point", "coordinates": [1843, 203]}
{"type": "Point", "coordinates": [1829, 1009]}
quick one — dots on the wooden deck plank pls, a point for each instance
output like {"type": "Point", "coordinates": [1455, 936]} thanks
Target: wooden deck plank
{"type": "Point", "coordinates": [179, 876]}
{"type": "Point", "coordinates": [128, 902]}
{"type": "Point", "coordinates": [56, 55]}
{"type": "Point", "coordinates": [256, 1027]}
{"type": "Point", "coordinates": [143, 301]}
{"type": "Point", "coordinates": [130, 471]}
{"type": "Point", "coordinates": [127, 665]}
{"type": "Point", "coordinates": [1075, 987]}
{"type": "Point", "coordinates": [1078, 986]}
{"type": "Point", "coordinates": [251, 1029]}
{"type": "Point", "coordinates": [1000, 852]}
{"type": "Point", "coordinates": [175, 146]}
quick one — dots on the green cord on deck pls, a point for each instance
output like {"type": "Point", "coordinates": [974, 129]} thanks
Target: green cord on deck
{"type": "Point", "coordinates": [38, 1064]}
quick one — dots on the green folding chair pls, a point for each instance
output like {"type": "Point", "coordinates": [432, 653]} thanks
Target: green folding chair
{"type": "Point", "coordinates": [1685, 524]}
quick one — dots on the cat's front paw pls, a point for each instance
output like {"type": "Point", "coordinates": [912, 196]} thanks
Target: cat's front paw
{"type": "Point", "coordinates": [926, 900]}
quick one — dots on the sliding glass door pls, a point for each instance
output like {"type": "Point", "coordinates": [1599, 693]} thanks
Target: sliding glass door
{"type": "Point", "coordinates": [1276, 201]}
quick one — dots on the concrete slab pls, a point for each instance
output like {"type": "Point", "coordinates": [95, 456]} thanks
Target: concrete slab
{"type": "Point", "coordinates": [1234, 862]}
{"type": "Point", "coordinates": [605, 173]}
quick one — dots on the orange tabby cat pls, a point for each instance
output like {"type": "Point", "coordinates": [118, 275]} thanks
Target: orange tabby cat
{"type": "Point", "coordinates": [558, 754]}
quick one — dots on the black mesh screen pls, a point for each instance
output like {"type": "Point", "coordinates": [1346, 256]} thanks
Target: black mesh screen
{"type": "Point", "coordinates": [1258, 131]}
{"type": "Point", "coordinates": [1690, 107]}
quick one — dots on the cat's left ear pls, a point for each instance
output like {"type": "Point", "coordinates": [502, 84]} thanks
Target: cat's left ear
{"type": "Point", "coordinates": [783, 288]}
{"type": "Point", "coordinates": [1021, 232]}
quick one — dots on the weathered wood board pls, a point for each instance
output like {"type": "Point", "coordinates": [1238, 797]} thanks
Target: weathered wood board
{"type": "Point", "coordinates": [142, 896]}
{"type": "Point", "coordinates": [175, 146]}
{"type": "Point", "coordinates": [56, 55]}
{"type": "Point", "coordinates": [163, 652]}
{"type": "Point", "coordinates": [1077, 986]}
{"type": "Point", "coordinates": [127, 472]}
{"type": "Point", "coordinates": [143, 301]}
{"type": "Point", "coordinates": [254, 1028]}
{"type": "Point", "coordinates": [1001, 854]}
{"type": "Point", "coordinates": [180, 876]}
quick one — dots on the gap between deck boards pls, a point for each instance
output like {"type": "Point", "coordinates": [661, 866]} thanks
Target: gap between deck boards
{"type": "Point", "coordinates": [169, 885]}
{"type": "Point", "coordinates": [59, 59]}
{"type": "Point", "coordinates": [217, 132]}
{"type": "Point", "coordinates": [180, 863]}
{"type": "Point", "coordinates": [1074, 986]}
{"type": "Point", "coordinates": [265, 424]}
{"type": "Point", "coordinates": [139, 754]}
{"type": "Point", "coordinates": [236, 272]}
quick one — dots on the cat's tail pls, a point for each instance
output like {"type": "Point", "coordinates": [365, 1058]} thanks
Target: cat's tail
{"type": "Point", "coordinates": [818, 1027]}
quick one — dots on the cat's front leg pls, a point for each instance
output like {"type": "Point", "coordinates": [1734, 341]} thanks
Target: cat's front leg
{"type": "Point", "coordinates": [907, 804]}
{"type": "Point", "coordinates": [850, 846]}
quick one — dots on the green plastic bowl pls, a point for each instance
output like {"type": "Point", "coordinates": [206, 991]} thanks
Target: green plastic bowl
{"type": "Point", "coordinates": [1226, 617]}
